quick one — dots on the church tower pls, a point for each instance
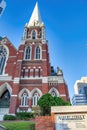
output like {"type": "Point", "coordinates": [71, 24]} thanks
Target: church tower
{"type": "Point", "coordinates": [36, 48]}
{"type": "Point", "coordinates": [28, 68]}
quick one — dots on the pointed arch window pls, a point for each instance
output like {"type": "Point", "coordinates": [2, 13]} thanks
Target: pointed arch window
{"type": "Point", "coordinates": [34, 34]}
{"type": "Point", "coordinates": [35, 98]}
{"type": "Point", "coordinates": [28, 72]}
{"type": "Point", "coordinates": [39, 73]}
{"type": "Point", "coordinates": [34, 72]}
{"type": "Point", "coordinates": [53, 93]}
{"type": "Point", "coordinates": [24, 100]}
{"type": "Point", "coordinates": [37, 55]}
{"type": "Point", "coordinates": [3, 55]}
{"type": "Point", "coordinates": [23, 73]}
{"type": "Point", "coordinates": [28, 53]}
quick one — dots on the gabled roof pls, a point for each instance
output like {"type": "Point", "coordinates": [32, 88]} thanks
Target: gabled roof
{"type": "Point", "coordinates": [4, 40]}
{"type": "Point", "coordinates": [35, 17]}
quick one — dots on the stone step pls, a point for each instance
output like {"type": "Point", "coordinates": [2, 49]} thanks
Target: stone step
{"type": "Point", "coordinates": [3, 111]}
{"type": "Point", "coordinates": [1, 117]}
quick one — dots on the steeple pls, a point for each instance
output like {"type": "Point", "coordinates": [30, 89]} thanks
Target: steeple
{"type": "Point", "coordinates": [34, 29]}
{"type": "Point", "coordinates": [35, 17]}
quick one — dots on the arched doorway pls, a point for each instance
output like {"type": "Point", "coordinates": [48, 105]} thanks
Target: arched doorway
{"type": "Point", "coordinates": [5, 94]}
{"type": "Point", "coordinates": [5, 99]}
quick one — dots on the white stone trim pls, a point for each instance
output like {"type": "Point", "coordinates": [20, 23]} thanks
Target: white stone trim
{"type": "Point", "coordinates": [55, 90]}
{"type": "Point", "coordinates": [13, 95]}
{"type": "Point", "coordinates": [31, 70]}
{"type": "Point", "coordinates": [16, 80]}
{"type": "Point", "coordinates": [22, 91]}
{"type": "Point", "coordinates": [34, 85]}
{"type": "Point", "coordinates": [19, 60]}
{"type": "Point", "coordinates": [22, 41]}
{"type": "Point", "coordinates": [5, 86]}
{"type": "Point", "coordinates": [23, 106]}
{"type": "Point", "coordinates": [43, 50]}
{"type": "Point", "coordinates": [12, 57]}
{"type": "Point", "coordinates": [38, 90]}
{"type": "Point", "coordinates": [57, 79]}
{"type": "Point", "coordinates": [31, 78]}
{"type": "Point", "coordinates": [5, 78]}
{"type": "Point", "coordinates": [45, 80]}
{"type": "Point", "coordinates": [69, 109]}
{"type": "Point", "coordinates": [44, 59]}
{"type": "Point", "coordinates": [63, 95]}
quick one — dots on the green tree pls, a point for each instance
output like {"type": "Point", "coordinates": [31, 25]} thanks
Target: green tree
{"type": "Point", "coordinates": [46, 101]}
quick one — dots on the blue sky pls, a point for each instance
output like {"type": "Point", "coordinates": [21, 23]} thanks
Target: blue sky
{"type": "Point", "coordinates": [66, 31]}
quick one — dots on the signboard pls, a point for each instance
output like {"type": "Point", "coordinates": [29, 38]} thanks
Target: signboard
{"type": "Point", "coordinates": [71, 121]}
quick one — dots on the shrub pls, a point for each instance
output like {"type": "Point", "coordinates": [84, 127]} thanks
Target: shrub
{"type": "Point", "coordinates": [46, 101]}
{"type": "Point", "coordinates": [9, 117]}
{"type": "Point", "coordinates": [24, 115]}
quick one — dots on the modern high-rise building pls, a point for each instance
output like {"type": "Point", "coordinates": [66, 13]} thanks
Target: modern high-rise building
{"type": "Point", "coordinates": [26, 73]}
{"type": "Point", "coordinates": [2, 6]}
{"type": "Point", "coordinates": [80, 97]}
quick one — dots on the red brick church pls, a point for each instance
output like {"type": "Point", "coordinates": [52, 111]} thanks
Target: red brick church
{"type": "Point", "coordinates": [26, 73]}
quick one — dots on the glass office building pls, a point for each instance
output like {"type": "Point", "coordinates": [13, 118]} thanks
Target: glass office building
{"type": "Point", "coordinates": [80, 97]}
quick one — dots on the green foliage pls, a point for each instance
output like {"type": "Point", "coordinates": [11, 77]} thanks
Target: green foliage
{"type": "Point", "coordinates": [9, 117]}
{"type": "Point", "coordinates": [46, 101]}
{"type": "Point", "coordinates": [24, 115]}
{"type": "Point", "coordinates": [19, 125]}
{"type": "Point", "coordinates": [20, 116]}
{"type": "Point", "coordinates": [58, 101]}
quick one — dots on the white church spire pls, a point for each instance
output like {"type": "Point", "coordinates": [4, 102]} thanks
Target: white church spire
{"type": "Point", "coordinates": [35, 17]}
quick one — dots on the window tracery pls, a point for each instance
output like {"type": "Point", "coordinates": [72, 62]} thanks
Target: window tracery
{"type": "Point", "coordinates": [37, 55]}
{"type": "Point", "coordinates": [28, 53]}
{"type": "Point", "coordinates": [3, 54]}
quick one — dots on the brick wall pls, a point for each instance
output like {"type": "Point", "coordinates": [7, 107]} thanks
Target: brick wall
{"type": "Point", "coordinates": [44, 123]}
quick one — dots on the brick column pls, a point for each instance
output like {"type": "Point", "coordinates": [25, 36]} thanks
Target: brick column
{"type": "Point", "coordinates": [44, 123]}
{"type": "Point", "coordinates": [53, 120]}
{"type": "Point", "coordinates": [45, 88]}
{"type": "Point", "coordinates": [14, 99]}
{"type": "Point", "coordinates": [13, 104]}
{"type": "Point", "coordinates": [30, 102]}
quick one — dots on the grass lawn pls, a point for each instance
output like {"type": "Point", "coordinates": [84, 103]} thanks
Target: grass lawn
{"type": "Point", "coordinates": [24, 125]}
